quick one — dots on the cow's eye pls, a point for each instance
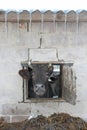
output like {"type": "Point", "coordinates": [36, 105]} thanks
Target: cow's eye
{"type": "Point", "coordinates": [42, 86]}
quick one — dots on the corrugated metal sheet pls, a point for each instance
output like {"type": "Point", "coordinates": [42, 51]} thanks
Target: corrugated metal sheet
{"type": "Point", "coordinates": [43, 11]}
{"type": "Point", "coordinates": [49, 15]}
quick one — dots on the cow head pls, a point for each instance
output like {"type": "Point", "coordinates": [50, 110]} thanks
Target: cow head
{"type": "Point", "coordinates": [40, 78]}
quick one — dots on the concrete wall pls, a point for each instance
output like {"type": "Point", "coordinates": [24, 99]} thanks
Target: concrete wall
{"type": "Point", "coordinates": [68, 38]}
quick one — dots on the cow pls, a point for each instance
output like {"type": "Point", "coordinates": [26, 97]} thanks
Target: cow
{"type": "Point", "coordinates": [40, 87]}
{"type": "Point", "coordinates": [43, 82]}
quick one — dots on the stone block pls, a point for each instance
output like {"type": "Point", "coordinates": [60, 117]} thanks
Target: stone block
{"type": "Point", "coordinates": [29, 39]}
{"type": "Point", "coordinates": [13, 54]}
{"type": "Point", "coordinates": [36, 27]}
{"type": "Point", "coordinates": [11, 88]}
{"type": "Point", "coordinates": [12, 34]}
{"type": "Point", "coordinates": [71, 27]}
{"type": "Point", "coordinates": [61, 28]}
{"type": "Point", "coordinates": [16, 109]}
{"type": "Point", "coordinates": [82, 40]}
{"type": "Point", "coordinates": [53, 40]}
{"type": "Point", "coordinates": [2, 27]}
{"type": "Point", "coordinates": [3, 38]}
{"type": "Point", "coordinates": [49, 27]}
{"type": "Point", "coordinates": [5, 118]}
{"type": "Point", "coordinates": [43, 55]}
{"type": "Point", "coordinates": [19, 118]}
{"type": "Point", "coordinates": [45, 108]}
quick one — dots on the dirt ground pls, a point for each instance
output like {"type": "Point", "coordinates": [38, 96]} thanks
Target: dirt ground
{"type": "Point", "coordinates": [61, 121]}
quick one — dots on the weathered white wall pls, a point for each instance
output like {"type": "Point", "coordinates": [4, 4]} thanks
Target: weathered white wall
{"type": "Point", "coordinates": [71, 42]}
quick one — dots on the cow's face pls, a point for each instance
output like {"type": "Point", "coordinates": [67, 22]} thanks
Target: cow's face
{"type": "Point", "coordinates": [39, 78]}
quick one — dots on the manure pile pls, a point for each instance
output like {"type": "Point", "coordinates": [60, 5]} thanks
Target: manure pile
{"type": "Point", "coordinates": [61, 121]}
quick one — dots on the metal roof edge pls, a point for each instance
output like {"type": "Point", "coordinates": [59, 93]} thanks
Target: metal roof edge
{"type": "Point", "coordinates": [42, 10]}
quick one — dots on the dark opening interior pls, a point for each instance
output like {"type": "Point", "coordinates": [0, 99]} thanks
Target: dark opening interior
{"type": "Point", "coordinates": [44, 81]}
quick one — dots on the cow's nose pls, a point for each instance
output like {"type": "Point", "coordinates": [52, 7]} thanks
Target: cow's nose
{"type": "Point", "coordinates": [39, 85]}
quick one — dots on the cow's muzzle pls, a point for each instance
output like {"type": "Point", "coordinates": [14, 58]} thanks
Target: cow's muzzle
{"type": "Point", "coordinates": [39, 89]}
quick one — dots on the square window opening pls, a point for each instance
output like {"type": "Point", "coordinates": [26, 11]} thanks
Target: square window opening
{"type": "Point", "coordinates": [48, 81]}
{"type": "Point", "coordinates": [45, 81]}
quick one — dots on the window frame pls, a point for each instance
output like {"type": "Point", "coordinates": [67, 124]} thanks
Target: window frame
{"type": "Point", "coordinates": [61, 99]}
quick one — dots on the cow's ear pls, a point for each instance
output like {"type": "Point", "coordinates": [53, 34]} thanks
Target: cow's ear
{"type": "Point", "coordinates": [24, 73]}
